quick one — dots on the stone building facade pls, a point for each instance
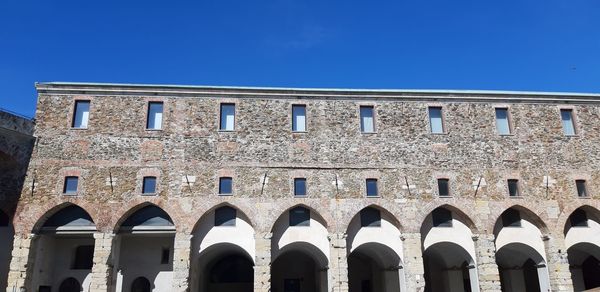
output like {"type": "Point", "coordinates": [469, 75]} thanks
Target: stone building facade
{"type": "Point", "coordinates": [185, 188]}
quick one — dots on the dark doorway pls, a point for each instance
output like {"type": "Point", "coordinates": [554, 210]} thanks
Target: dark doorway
{"type": "Point", "coordinates": [233, 272]}
{"type": "Point", "coordinates": [530, 272]}
{"type": "Point", "coordinates": [291, 285]}
{"type": "Point", "coordinates": [591, 272]}
{"type": "Point", "coordinates": [140, 284]}
{"type": "Point", "coordinates": [70, 285]}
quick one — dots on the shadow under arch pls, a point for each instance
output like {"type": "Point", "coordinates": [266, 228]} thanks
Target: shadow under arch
{"type": "Point", "coordinates": [56, 210]}
{"type": "Point", "coordinates": [314, 214]}
{"type": "Point", "coordinates": [6, 245]}
{"type": "Point", "coordinates": [522, 267]}
{"type": "Point", "coordinates": [590, 212]}
{"type": "Point", "coordinates": [240, 213]}
{"type": "Point", "coordinates": [457, 214]}
{"type": "Point", "coordinates": [526, 214]}
{"type": "Point", "coordinates": [132, 211]}
{"type": "Point", "coordinates": [223, 267]}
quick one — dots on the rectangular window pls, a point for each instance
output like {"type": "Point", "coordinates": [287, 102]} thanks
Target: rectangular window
{"type": "Point", "coordinates": [225, 216]}
{"type": "Point", "coordinates": [298, 118]}
{"type": "Point", "coordinates": [155, 114]}
{"type": "Point", "coordinates": [435, 120]}
{"type": "Point", "coordinates": [227, 118]}
{"type": "Point", "coordinates": [502, 123]}
{"type": "Point", "coordinates": [566, 116]}
{"type": "Point", "coordinates": [372, 187]}
{"type": "Point", "coordinates": [299, 216]}
{"type": "Point", "coordinates": [149, 185]}
{"type": "Point", "coordinates": [299, 187]}
{"type": "Point", "coordinates": [581, 188]}
{"type": "Point", "coordinates": [165, 255]}
{"type": "Point", "coordinates": [513, 187]}
{"type": "Point", "coordinates": [367, 119]}
{"type": "Point", "coordinates": [70, 186]}
{"type": "Point", "coordinates": [225, 186]}
{"type": "Point", "coordinates": [82, 114]}
{"type": "Point", "coordinates": [443, 187]}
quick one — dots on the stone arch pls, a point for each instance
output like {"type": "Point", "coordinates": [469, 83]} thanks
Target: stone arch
{"type": "Point", "coordinates": [393, 226]}
{"type": "Point", "coordinates": [242, 213]}
{"type": "Point", "coordinates": [315, 207]}
{"type": "Point", "coordinates": [132, 210]}
{"type": "Point", "coordinates": [525, 210]}
{"type": "Point", "coordinates": [582, 241]}
{"type": "Point", "coordinates": [56, 210]}
{"type": "Point", "coordinates": [591, 212]}
{"type": "Point", "coordinates": [460, 215]}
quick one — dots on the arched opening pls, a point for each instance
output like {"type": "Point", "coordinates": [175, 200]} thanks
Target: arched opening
{"type": "Point", "coordinates": [6, 244]}
{"type": "Point", "coordinates": [448, 267]}
{"type": "Point", "coordinates": [70, 285]}
{"type": "Point", "coordinates": [144, 251]}
{"type": "Point", "coordinates": [141, 284]}
{"type": "Point", "coordinates": [64, 251]}
{"type": "Point", "coordinates": [520, 252]}
{"type": "Point", "coordinates": [583, 248]}
{"type": "Point", "coordinates": [300, 267]}
{"type": "Point", "coordinates": [223, 252]}
{"type": "Point", "coordinates": [374, 252]}
{"type": "Point", "coordinates": [299, 252]}
{"type": "Point", "coordinates": [449, 251]}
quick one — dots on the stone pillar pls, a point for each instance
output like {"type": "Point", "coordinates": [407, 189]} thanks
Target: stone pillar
{"type": "Point", "coordinates": [181, 262]}
{"type": "Point", "coordinates": [414, 270]}
{"type": "Point", "coordinates": [557, 263]}
{"type": "Point", "coordinates": [103, 264]}
{"type": "Point", "coordinates": [487, 269]}
{"type": "Point", "coordinates": [262, 265]}
{"type": "Point", "coordinates": [338, 263]}
{"type": "Point", "coordinates": [23, 255]}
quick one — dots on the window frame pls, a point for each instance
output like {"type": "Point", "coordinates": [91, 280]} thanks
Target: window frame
{"type": "Point", "coordinates": [221, 116]}
{"type": "Point", "coordinates": [442, 119]}
{"type": "Point", "coordinates": [573, 121]}
{"type": "Point", "coordinates": [377, 191]}
{"type": "Point", "coordinates": [162, 119]}
{"type": "Point", "coordinates": [65, 183]}
{"type": "Point", "coordinates": [373, 116]}
{"type": "Point", "coordinates": [143, 189]}
{"type": "Point", "coordinates": [294, 125]}
{"type": "Point", "coordinates": [219, 188]}
{"type": "Point", "coordinates": [74, 114]}
{"type": "Point", "coordinates": [297, 179]}
{"type": "Point", "coordinates": [518, 187]}
{"type": "Point", "coordinates": [449, 192]}
{"type": "Point", "coordinates": [508, 120]}
{"type": "Point", "coordinates": [585, 188]}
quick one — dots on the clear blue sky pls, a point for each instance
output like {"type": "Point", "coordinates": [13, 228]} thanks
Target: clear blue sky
{"type": "Point", "coordinates": [545, 45]}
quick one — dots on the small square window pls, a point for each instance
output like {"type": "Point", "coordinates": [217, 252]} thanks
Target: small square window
{"type": "Point", "coordinates": [372, 190]}
{"type": "Point", "coordinates": [581, 188]}
{"type": "Point", "coordinates": [436, 122]}
{"type": "Point", "coordinates": [225, 216]}
{"type": "Point", "coordinates": [165, 255]}
{"type": "Point", "coordinates": [502, 122]}
{"type": "Point", "coordinates": [225, 186]}
{"type": "Point", "coordinates": [568, 122]}
{"type": "Point", "coordinates": [149, 185]}
{"type": "Point", "coordinates": [299, 187]}
{"type": "Point", "coordinates": [299, 216]}
{"type": "Point", "coordinates": [70, 186]}
{"type": "Point", "coordinates": [511, 218]}
{"type": "Point", "coordinates": [155, 116]}
{"type": "Point", "coordinates": [441, 217]}
{"type": "Point", "coordinates": [370, 217]}
{"type": "Point", "coordinates": [227, 118]}
{"type": "Point", "coordinates": [367, 119]}
{"type": "Point", "coordinates": [82, 114]}
{"type": "Point", "coordinates": [298, 118]}
{"type": "Point", "coordinates": [513, 187]}
{"type": "Point", "coordinates": [443, 187]}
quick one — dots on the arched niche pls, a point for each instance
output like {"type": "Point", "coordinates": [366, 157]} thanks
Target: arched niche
{"type": "Point", "coordinates": [300, 249]}
{"type": "Point", "coordinates": [374, 248]}
{"type": "Point", "coordinates": [224, 233]}
{"type": "Point", "coordinates": [582, 239]}
{"type": "Point", "coordinates": [64, 249]}
{"type": "Point", "coordinates": [6, 245]}
{"type": "Point", "coordinates": [449, 251]}
{"type": "Point", "coordinates": [144, 249]}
